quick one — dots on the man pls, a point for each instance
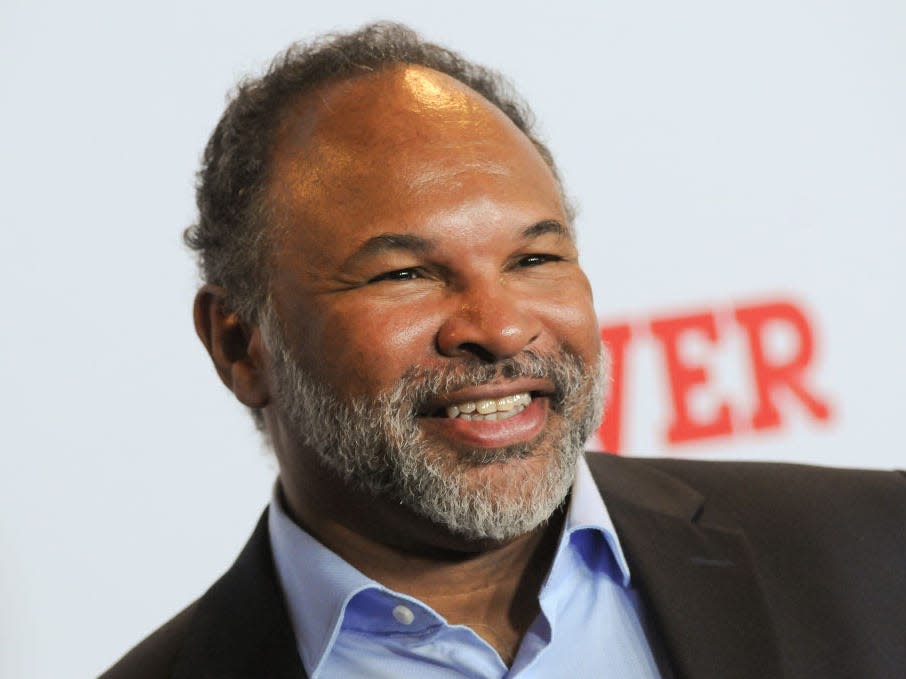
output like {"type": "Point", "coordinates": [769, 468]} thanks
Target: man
{"type": "Point", "coordinates": [393, 287]}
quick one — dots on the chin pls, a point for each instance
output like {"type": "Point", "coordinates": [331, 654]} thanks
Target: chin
{"type": "Point", "coordinates": [491, 494]}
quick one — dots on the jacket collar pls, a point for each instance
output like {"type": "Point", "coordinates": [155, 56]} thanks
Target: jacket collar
{"type": "Point", "coordinates": [241, 628]}
{"type": "Point", "coordinates": [694, 571]}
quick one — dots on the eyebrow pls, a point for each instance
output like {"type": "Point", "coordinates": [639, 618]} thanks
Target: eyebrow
{"type": "Point", "coordinates": [407, 242]}
{"type": "Point", "coordinates": [547, 226]}
{"type": "Point", "coordinates": [389, 242]}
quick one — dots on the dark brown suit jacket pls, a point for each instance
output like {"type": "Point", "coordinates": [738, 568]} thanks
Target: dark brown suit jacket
{"type": "Point", "coordinates": [746, 570]}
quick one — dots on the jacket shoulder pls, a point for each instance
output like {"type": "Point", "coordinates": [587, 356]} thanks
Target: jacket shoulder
{"type": "Point", "coordinates": [155, 656]}
{"type": "Point", "coordinates": [774, 499]}
{"type": "Point", "coordinates": [726, 478]}
{"type": "Point", "coordinates": [791, 485]}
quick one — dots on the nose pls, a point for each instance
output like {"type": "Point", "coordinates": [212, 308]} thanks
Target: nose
{"type": "Point", "coordinates": [488, 322]}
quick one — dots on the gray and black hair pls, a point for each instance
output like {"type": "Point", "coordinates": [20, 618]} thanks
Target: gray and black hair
{"type": "Point", "coordinates": [231, 235]}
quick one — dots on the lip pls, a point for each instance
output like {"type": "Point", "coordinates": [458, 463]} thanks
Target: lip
{"type": "Point", "coordinates": [536, 387]}
{"type": "Point", "coordinates": [520, 428]}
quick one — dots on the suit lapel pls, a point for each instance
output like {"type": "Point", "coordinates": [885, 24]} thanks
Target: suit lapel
{"type": "Point", "coordinates": [694, 571]}
{"type": "Point", "coordinates": [241, 628]}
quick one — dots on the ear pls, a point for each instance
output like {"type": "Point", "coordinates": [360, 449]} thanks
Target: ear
{"type": "Point", "coordinates": [236, 348]}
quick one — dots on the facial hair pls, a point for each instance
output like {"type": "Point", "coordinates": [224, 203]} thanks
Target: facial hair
{"type": "Point", "coordinates": [375, 443]}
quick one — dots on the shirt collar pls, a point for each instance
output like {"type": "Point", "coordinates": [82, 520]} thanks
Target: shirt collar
{"type": "Point", "coordinates": [588, 511]}
{"type": "Point", "coordinates": [318, 584]}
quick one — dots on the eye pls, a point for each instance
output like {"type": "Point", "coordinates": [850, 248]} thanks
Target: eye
{"type": "Point", "coordinates": [537, 260]}
{"type": "Point", "coordinates": [398, 275]}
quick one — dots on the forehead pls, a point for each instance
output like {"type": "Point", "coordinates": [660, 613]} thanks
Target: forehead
{"type": "Point", "coordinates": [400, 143]}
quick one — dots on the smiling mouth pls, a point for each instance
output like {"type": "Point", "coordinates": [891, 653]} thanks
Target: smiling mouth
{"type": "Point", "coordinates": [486, 409]}
{"type": "Point", "coordinates": [479, 419]}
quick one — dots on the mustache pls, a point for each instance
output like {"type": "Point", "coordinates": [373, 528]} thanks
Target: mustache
{"type": "Point", "coordinates": [418, 386]}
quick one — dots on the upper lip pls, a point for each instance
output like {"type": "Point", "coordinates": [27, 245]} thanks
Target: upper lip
{"type": "Point", "coordinates": [493, 390]}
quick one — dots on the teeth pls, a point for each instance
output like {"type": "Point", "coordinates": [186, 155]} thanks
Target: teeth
{"type": "Point", "coordinates": [490, 408]}
{"type": "Point", "coordinates": [486, 406]}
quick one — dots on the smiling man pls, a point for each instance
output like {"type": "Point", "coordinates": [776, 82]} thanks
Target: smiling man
{"type": "Point", "coordinates": [432, 336]}
{"type": "Point", "coordinates": [392, 285]}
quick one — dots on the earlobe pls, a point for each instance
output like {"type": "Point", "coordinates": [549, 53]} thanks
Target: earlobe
{"type": "Point", "coordinates": [236, 347]}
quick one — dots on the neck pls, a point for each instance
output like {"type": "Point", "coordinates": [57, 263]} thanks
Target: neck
{"type": "Point", "coordinates": [491, 587]}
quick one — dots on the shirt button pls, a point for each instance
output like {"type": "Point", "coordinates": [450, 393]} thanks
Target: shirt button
{"type": "Point", "coordinates": [403, 615]}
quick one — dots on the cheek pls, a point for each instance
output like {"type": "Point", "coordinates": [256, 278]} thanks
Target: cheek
{"type": "Point", "coordinates": [571, 318]}
{"type": "Point", "coordinates": [368, 351]}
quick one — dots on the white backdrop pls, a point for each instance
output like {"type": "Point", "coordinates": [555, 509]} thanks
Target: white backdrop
{"type": "Point", "coordinates": [725, 156]}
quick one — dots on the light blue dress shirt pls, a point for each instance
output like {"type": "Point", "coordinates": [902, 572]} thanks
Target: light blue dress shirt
{"type": "Point", "coordinates": [347, 625]}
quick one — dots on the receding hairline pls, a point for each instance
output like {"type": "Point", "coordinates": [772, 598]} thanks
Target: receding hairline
{"type": "Point", "coordinates": [232, 232]}
{"type": "Point", "coordinates": [304, 119]}
{"type": "Point", "coordinates": [304, 113]}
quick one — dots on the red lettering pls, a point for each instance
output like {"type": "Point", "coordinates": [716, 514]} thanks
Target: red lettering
{"type": "Point", "coordinates": [683, 377]}
{"type": "Point", "coordinates": [615, 337]}
{"type": "Point", "coordinates": [787, 374]}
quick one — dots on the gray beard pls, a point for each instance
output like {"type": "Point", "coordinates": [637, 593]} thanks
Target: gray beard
{"type": "Point", "coordinates": [375, 443]}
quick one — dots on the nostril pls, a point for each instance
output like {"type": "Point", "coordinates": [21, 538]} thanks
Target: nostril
{"type": "Point", "coordinates": [478, 351]}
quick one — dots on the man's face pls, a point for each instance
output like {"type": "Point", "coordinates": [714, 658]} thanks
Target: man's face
{"type": "Point", "coordinates": [432, 333]}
